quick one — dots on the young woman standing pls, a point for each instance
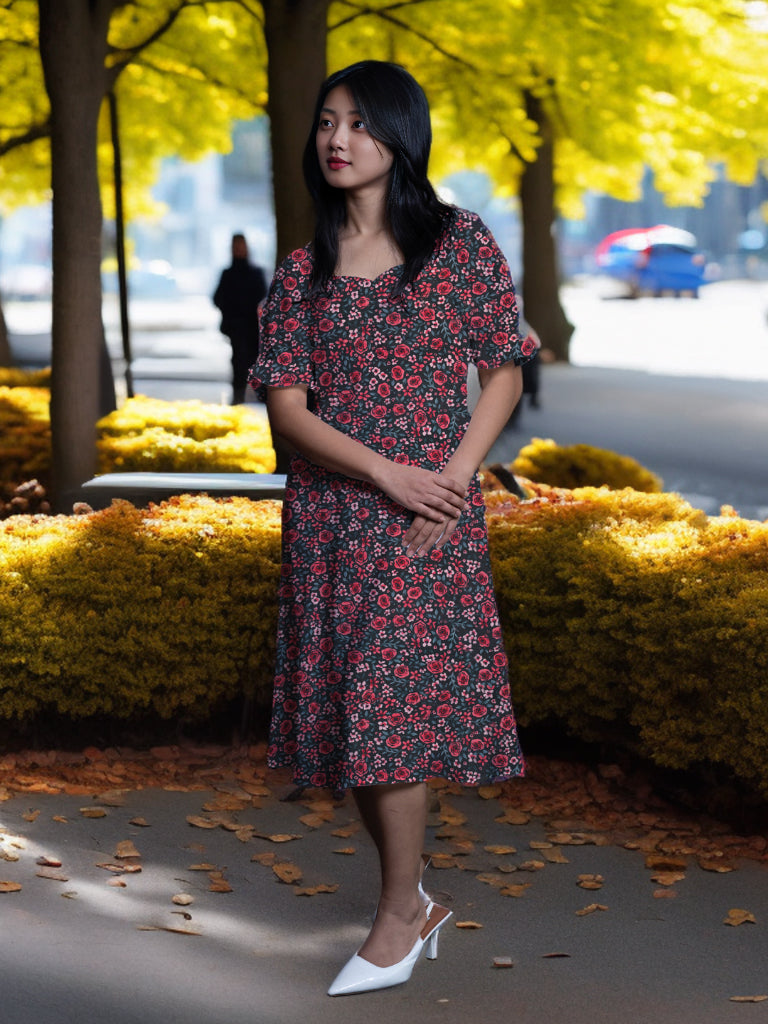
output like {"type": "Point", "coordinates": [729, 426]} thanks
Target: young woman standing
{"type": "Point", "coordinates": [391, 667]}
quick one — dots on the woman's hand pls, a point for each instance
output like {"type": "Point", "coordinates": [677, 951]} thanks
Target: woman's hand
{"type": "Point", "coordinates": [433, 496]}
{"type": "Point", "coordinates": [425, 534]}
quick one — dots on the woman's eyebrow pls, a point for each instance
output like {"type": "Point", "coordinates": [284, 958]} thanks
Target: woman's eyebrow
{"type": "Point", "coordinates": [330, 110]}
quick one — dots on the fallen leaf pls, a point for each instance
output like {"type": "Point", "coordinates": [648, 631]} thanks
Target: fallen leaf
{"type": "Point", "coordinates": [71, 895]}
{"type": "Point", "coordinates": [139, 822]}
{"type": "Point", "coordinates": [443, 860]}
{"type": "Point", "coordinates": [126, 850]}
{"type": "Point", "coordinates": [500, 851]}
{"type": "Point", "coordinates": [93, 812]}
{"type": "Point", "coordinates": [450, 816]}
{"type": "Point", "coordinates": [668, 877]}
{"type": "Point", "coordinates": [10, 887]}
{"type": "Point", "coordinates": [200, 822]}
{"type": "Point", "coordinates": [661, 862]}
{"type": "Point", "coordinates": [556, 956]}
{"type": "Point", "coordinates": [283, 837]}
{"type": "Point", "coordinates": [8, 856]}
{"type": "Point", "coordinates": [737, 917]}
{"type": "Point", "coordinates": [112, 798]}
{"type": "Point", "coordinates": [470, 925]}
{"type": "Point", "coordinates": [218, 883]}
{"type": "Point", "coordinates": [314, 890]}
{"type": "Point", "coordinates": [346, 832]}
{"type": "Point", "coordinates": [489, 792]}
{"type": "Point", "coordinates": [202, 867]}
{"type": "Point", "coordinates": [513, 817]}
{"type": "Point", "coordinates": [664, 894]}
{"type": "Point", "coordinates": [226, 803]}
{"type": "Point", "coordinates": [515, 890]}
{"type": "Point", "coordinates": [555, 856]}
{"type": "Point", "coordinates": [590, 909]}
{"type": "Point", "coordinates": [31, 816]}
{"type": "Point", "coordinates": [118, 883]}
{"type": "Point", "coordinates": [531, 865]}
{"type": "Point", "coordinates": [539, 844]}
{"type": "Point", "coordinates": [461, 847]}
{"type": "Point", "coordinates": [182, 899]}
{"type": "Point", "coordinates": [312, 820]}
{"type": "Point", "coordinates": [245, 834]}
{"type": "Point", "coordinates": [52, 873]}
{"type": "Point", "coordinates": [748, 999]}
{"type": "Point", "coordinates": [287, 872]}
{"type": "Point", "coordinates": [61, 819]}
{"type": "Point", "coordinates": [715, 865]}
{"type": "Point", "coordinates": [121, 869]}
{"type": "Point", "coordinates": [503, 961]}
{"type": "Point", "coordinates": [488, 878]}
{"type": "Point", "coordinates": [590, 881]}
{"type": "Point", "coordinates": [346, 850]}
{"type": "Point", "coordinates": [267, 859]}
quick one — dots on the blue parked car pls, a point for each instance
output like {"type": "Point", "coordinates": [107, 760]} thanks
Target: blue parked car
{"type": "Point", "coordinates": [653, 260]}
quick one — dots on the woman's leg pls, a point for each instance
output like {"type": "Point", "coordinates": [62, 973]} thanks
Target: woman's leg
{"type": "Point", "coordinates": [395, 816]}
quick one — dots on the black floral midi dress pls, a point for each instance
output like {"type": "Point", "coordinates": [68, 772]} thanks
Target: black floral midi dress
{"type": "Point", "coordinates": [389, 668]}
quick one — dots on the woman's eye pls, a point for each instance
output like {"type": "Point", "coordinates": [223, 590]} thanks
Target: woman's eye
{"type": "Point", "coordinates": [358, 124]}
{"type": "Point", "coordinates": [325, 123]}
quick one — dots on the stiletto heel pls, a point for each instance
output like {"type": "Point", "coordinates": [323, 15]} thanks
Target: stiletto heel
{"type": "Point", "coordinates": [426, 860]}
{"type": "Point", "coordinates": [359, 975]}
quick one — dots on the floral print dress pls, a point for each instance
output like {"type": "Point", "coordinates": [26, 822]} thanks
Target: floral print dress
{"type": "Point", "coordinates": [389, 668]}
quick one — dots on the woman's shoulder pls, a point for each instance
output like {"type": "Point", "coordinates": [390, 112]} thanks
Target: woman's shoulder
{"type": "Point", "coordinates": [295, 269]}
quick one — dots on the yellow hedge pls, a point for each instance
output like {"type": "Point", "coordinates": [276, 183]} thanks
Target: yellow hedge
{"type": "Point", "coordinates": [582, 465]}
{"type": "Point", "coordinates": [153, 435]}
{"type": "Point", "coordinates": [628, 616]}
{"type": "Point", "coordinates": [25, 434]}
{"type": "Point", "coordinates": [114, 612]}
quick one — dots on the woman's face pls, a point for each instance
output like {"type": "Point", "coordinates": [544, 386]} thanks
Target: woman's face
{"type": "Point", "coordinates": [350, 158]}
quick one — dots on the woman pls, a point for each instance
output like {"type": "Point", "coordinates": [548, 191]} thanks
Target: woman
{"type": "Point", "coordinates": [391, 668]}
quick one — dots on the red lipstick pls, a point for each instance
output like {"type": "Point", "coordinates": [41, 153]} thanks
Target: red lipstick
{"type": "Point", "coordinates": [336, 163]}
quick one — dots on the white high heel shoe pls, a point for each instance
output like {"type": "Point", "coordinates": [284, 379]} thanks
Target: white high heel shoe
{"type": "Point", "coordinates": [359, 975]}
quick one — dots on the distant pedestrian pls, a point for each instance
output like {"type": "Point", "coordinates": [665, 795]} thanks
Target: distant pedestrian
{"type": "Point", "coordinates": [241, 288]}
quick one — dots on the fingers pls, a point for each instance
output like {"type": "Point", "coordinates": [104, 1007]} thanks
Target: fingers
{"type": "Point", "coordinates": [425, 534]}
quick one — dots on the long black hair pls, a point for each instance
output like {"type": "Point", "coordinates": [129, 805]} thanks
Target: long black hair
{"type": "Point", "coordinates": [396, 113]}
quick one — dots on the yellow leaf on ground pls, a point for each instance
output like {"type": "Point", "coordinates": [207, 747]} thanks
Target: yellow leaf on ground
{"type": "Point", "coordinates": [139, 822]}
{"type": "Point", "coordinates": [182, 899]}
{"type": "Point", "coordinates": [500, 851]}
{"type": "Point", "coordinates": [531, 865]}
{"type": "Point", "coordinates": [468, 924]}
{"type": "Point", "coordinates": [53, 873]}
{"type": "Point", "coordinates": [61, 819]}
{"type": "Point", "coordinates": [489, 792]}
{"type": "Point", "coordinates": [287, 872]}
{"type": "Point", "coordinates": [539, 844]}
{"type": "Point", "coordinates": [125, 849]}
{"type": "Point", "coordinates": [280, 837]}
{"type": "Point", "coordinates": [721, 866]}
{"type": "Point", "coordinates": [202, 867]}
{"type": "Point", "coordinates": [315, 890]}
{"type": "Point", "coordinates": [218, 883]}
{"type": "Point", "coordinates": [488, 878]}
{"type": "Point", "coordinates": [664, 894]}
{"type": "Point", "coordinates": [503, 961]}
{"type": "Point", "coordinates": [31, 816]}
{"type": "Point", "coordinates": [590, 909]}
{"type": "Point", "coordinates": [555, 856]}
{"type": "Point", "coordinates": [313, 820]}
{"type": "Point", "coordinates": [267, 859]}
{"type": "Point", "coordinates": [346, 850]}
{"type": "Point", "coordinates": [668, 877]}
{"type": "Point", "coordinates": [48, 862]}
{"type": "Point", "coordinates": [10, 887]}
{"type": "Point", "coordinates": [515, 890]}
{"type": "Point", "coordinates": [737, 917]}
{"type": "Point", "coordinates": [748, 999]}
{"type": "Point", "coordinates": [117, 883]}
{"type": "Point", "coordinates": [346, 831]}
{"type": "Point", "coordinates": [200, 822]}
{"type": "Point", "coordinates": [93, 812]}
{"type": "Point", "coordinates": [513, 817]}
{"type": "Point", "coordinates": [664, 862]}
{"type": "Point", "coordinates": [590, 881]}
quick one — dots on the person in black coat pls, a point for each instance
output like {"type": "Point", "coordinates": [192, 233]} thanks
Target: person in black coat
{"type": "Point", "coordinates": [241, 288]}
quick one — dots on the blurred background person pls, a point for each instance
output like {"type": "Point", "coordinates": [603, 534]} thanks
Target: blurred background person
{"type": "Point", "coordinates": [241, 288]}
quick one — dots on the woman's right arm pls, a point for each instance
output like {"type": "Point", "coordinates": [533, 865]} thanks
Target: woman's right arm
{"type": "Point", "coordinates": [437, 497]}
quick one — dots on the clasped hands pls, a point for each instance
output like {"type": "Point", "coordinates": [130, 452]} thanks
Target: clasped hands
{"type": "Point", "coordinates": [437, 501]}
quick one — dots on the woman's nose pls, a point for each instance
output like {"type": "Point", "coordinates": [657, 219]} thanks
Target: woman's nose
{"type": "Point", "coordinates": [338, 139]}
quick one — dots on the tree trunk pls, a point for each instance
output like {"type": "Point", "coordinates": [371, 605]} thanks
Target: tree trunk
{"type": "Point", "coordinates": [73, 47]}
{"type": "Point", "coordinates": [295, 33]}
{"type": "Point", "coordinates": [6, 358]}
{"type": "Point", "coordinates": [541, 276]}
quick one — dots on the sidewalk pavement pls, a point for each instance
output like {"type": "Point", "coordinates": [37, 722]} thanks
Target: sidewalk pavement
{"type": "Point", "coordinates": [95, 943]}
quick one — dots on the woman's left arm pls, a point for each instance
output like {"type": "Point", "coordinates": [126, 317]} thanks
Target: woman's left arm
{"type": "Point", "coordinates": [501, 388]}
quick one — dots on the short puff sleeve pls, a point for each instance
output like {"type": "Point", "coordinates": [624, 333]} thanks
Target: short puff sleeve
{"type": "Point", "coordinates": [494, 336]}
{"type": "Point", "coordinates": [285, 343]}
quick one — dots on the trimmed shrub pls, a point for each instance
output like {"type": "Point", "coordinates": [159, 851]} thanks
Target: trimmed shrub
{"type": "Point", "coordinates": [11, 377]}
{"type": "Point", "coordinates": [118, 611]}
{"type": "Point", "coordinates": [152, 435]}
{"type": "Point", "coordinates": [25, 435]}
{"type": "Point", "coordinates": [581, 465]}
{"type": "Point", "coordinates": [635, 617]}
